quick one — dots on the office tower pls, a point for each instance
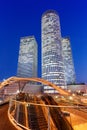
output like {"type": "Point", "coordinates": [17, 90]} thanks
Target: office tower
{"type": "Point", "coordinates": [27, 61]}
{"type": "Point", "coordinates": [68, 61]}
{"type": "Point", "coordinates": [52, 61]}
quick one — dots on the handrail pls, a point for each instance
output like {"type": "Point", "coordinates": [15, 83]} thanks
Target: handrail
{"type": "Point", "coordinates": [44, 105]}
{"type": "Point", "coordinates": [48, 118]}
{"type": "Point", "coordinates": [14, 122]}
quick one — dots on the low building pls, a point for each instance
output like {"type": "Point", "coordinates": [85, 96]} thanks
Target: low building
{"type": "Point", "coordinates": [79, 88]}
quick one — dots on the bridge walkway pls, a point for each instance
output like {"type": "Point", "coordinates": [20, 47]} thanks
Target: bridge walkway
{"type": "Point", "coordinates": [5, 124]}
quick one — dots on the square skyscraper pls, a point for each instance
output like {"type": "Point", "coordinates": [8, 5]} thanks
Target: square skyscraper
{"type": "Point", "coordinates": [68, 61]}
{"type": "Point", "coordinates": [27, 61]}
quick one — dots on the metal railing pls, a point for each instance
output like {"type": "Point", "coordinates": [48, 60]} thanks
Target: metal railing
{"type": "Point", "coordinates": [22, 114]}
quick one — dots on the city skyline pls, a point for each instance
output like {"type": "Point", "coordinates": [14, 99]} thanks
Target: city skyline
{"type": "Point", "coordinates": [22, 21]}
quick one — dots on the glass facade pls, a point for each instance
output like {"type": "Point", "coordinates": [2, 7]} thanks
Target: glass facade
{"type": "Point", "coordinates": [52, 61]}
{"type": "Point", "coordinates": [27, 61]}
{"type": "Point", "coordinates": [68, 61]}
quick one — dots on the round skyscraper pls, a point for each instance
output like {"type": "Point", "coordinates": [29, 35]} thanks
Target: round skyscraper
{"type": "Point", "coordinates": [52, 61]}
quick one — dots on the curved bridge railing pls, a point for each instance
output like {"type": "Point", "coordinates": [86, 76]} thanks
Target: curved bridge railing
{"type": "Point", "coordinates": [28, 116]}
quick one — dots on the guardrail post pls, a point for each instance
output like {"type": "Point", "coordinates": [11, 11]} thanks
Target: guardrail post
{"type": "Point", "coordinates": [9, 105]}
{"type": "Point", "coordinates": [48, 119]}
{"type": "Point", "coordinates": [70, 120]}
{"type": "Point", "coordinates": [26, 115]}
{"type": "Point", "coordinates": [17, 115]}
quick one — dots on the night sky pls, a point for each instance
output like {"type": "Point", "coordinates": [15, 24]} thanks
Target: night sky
{"type": "Point", "coordinates": [19, 18]}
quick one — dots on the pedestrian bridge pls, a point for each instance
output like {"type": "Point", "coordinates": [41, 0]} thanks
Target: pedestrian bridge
{"type": "Point", "coordinates": [40, 80]}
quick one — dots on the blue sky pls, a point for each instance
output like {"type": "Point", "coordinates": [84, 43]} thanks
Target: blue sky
{"type": "Point", "coordinates": [20, 18]}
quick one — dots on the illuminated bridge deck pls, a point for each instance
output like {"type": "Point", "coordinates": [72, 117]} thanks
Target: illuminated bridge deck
{"type": "Point", "coordinates": [5, 124]}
